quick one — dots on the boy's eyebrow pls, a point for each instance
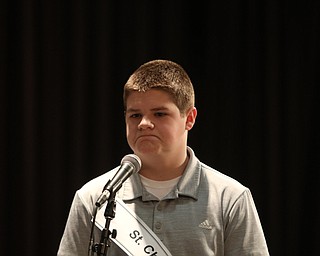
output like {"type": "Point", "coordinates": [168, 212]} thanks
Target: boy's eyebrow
{"type": "Point", "coordinates": [159, 108]}
{"type": "Point", "coordinates": [132, 110]}
{"type": "Point", "coordinates": [153, 109]}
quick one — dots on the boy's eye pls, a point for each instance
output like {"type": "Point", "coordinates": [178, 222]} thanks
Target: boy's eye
{"type": "Point", "coordinates": [160, 114]}
{"type": "Point", "coordinates": [136, 115]}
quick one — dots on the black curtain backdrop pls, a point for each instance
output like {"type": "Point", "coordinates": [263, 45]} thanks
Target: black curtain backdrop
{"type": "Point", "coordinates": [255, 69]}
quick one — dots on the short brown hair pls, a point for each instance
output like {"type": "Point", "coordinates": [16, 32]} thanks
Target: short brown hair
{"type": "Point", "coordinates": [163, 75]}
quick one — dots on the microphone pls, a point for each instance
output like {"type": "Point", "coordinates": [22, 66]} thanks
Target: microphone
{"type": "Point", "coordinates": [130, 164]}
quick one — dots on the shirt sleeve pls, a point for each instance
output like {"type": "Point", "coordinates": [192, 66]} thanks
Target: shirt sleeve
{"type": "Point", "coordinates": [243, 230]}
{"type": "Point", "coordinates": [75, 239]}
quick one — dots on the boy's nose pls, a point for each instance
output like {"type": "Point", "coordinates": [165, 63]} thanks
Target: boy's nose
{"type": "Point", "coordinates": [145, 124]}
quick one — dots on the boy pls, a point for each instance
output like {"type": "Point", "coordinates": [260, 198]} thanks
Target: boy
{"type": "Point", "coordinates": [192, 208]}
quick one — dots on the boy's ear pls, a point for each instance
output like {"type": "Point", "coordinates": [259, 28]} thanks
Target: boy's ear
{"type": "Point", "coordinates": [191, 118]}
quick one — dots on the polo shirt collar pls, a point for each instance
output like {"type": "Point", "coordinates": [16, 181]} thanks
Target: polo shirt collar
{"type": "Point", "coordinates": [187, 186]}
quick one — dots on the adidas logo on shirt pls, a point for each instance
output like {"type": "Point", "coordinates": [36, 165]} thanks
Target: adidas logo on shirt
{"type": "Point", "coordinates": [206, 225]}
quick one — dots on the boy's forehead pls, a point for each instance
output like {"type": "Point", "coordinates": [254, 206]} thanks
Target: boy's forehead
{"type": "Point", "coordinates": [156, 100]}
{"type": "Point", "coordinates": [154, 95]}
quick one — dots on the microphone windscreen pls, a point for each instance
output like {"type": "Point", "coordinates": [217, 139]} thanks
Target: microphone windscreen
{"type": "Point", "coordinates": [133, 159]}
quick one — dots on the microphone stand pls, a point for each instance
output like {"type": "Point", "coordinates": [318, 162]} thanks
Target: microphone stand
{"type": "Point", "coordinates": [102, 247]}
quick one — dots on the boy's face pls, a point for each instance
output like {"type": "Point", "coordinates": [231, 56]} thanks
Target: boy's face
{"type": "Point", "coordinates": [155, 125]}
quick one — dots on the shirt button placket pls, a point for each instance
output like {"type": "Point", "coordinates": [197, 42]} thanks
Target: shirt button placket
{"type": "Point", "coordinates": [158, 220]}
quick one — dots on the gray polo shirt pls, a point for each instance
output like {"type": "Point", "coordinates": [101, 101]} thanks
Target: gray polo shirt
{"type": "Point", "coordinates": [207, 213]}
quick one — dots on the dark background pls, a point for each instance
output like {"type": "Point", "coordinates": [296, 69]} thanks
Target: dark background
{"type": "Point", "coordinates": [255, 69]}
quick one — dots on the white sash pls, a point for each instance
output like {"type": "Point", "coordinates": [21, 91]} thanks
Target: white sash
{"type": "Point", "coordinates": [134, 237]}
